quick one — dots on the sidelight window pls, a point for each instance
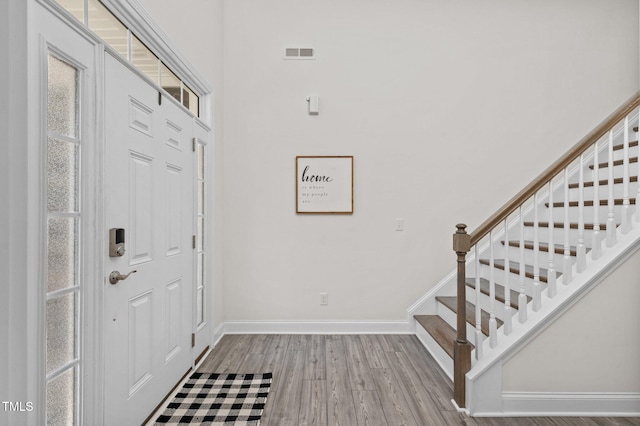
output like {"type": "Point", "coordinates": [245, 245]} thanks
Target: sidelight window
{"type": "Point", "coordinates": [63, 286]}
{"type": "Point", "coordinates": [200, 246]}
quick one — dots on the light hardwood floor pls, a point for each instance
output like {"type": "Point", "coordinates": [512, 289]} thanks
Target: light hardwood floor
{"type": "Point", "coordinates": [354, 380]}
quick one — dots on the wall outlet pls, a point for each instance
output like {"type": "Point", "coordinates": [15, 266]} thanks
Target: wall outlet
{"type": "Point", "coordinates": [399, 224]}
{"type": "Point", "coordinates": [324, 299]}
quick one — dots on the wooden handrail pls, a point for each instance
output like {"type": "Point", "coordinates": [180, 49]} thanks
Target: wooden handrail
{"type": "Point", "coordinates": [555, 168]}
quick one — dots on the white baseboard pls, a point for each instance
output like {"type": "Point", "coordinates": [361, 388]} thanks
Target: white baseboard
{"type": "Point", "coordinates": [606, 404]}
{"type": "Point", "coordinates": [217, 334]}
{"type": "Point", "coordinates": [316, 327]}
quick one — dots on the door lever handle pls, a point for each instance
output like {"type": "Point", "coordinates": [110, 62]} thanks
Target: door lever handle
{"type": "Point", "coordinates": [116, 276]}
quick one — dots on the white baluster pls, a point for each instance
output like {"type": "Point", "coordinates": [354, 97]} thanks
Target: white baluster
{"type": "Point", "coordinates": [596, 244]}
{"type": "Point", "coordinates": [611, 220]}
{"type": "Point", "coordinates": [493, 326]}
{"type": "Point", "coordinates": [566, 261]}
{"type": "Point", "coordinates": [522, 297]}
{"type": "Point", "coordinates": [626, 222]}
{"type": "Point", "coordinates": [537, 292]}
{"type": "Point", "coordinates": [479, 335]}
{"type": "Point", "coordinates": [551, 275]}
{"type": "Point", "coordinates": [581, 251]}
{"type": "Point", "coordinates": [507, 284]}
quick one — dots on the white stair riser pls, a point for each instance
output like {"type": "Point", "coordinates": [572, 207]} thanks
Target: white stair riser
{"type": "Point", "coordinates": [485, 303]}
{"type": "Point", "coordinates": [514, 280]}
{"type": "Point", "coordinates": [603, 192]}
{"type": "Point", "coordinates": [445, 361]}
{"type": "Point", "coordinates": [558, 235]}
{"type": "Point", "coordinates": [618, 172]}
{"type": "Point", "coordinates": [451, 318]}
{"type": "Point", "coordinates": [543, 257]}
{"type": "Point", "coordinates": [619, 153]}
{"type": "Point", "coordinates": [558, 214]}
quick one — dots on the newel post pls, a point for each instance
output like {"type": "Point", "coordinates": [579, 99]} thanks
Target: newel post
{"type": "Point", "coordinates": [461, 347]}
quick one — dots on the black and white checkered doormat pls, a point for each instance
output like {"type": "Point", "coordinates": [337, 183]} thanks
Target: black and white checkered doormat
{"type": "Point", "coordinates": [219, 399]}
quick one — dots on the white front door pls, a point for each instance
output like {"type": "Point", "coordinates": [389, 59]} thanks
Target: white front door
{"type": "Point", "coordinates": [149, 184]}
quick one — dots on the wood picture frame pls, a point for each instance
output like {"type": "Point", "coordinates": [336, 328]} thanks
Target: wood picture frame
{"type": "Point", "coordinates": [324, 184]}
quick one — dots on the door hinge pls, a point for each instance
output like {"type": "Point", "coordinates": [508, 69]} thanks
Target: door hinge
{"type": "Point", "coordinates": [193, 340]}
{"type": "Point", "coordinates": [194, 144]}
{"type": "Point", "coordinates": [159, 98]}
{"type": "Point", "coordinates": [193, 241]}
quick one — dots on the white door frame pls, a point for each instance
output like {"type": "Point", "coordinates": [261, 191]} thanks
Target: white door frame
{"type": "Point", "coordinates": [22, 370]}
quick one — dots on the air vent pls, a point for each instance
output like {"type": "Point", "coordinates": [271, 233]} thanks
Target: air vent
{"type": "Point", "coordinates": [299, 53]}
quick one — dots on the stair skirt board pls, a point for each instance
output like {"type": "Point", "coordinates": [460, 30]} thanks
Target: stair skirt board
{"type": "Point", "coordinates": [484, 381]}
{"type": "Point", "coordinates": [317, 327]}
{"type": "Point", "coordinates": [605, 404]}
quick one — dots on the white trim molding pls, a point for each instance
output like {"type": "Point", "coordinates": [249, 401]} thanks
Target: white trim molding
{"type": "Point", "coordinates": [606, 404]}
{"type": "Point", "coordinates": [316, 327]}
{"type": "Point", "coordinates": [217, 334]}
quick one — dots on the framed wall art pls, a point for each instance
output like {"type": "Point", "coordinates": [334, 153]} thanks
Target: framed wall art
{"type": "Point", "coordinates": [324, 185]}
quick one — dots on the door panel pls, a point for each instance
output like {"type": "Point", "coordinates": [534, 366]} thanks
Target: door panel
{"type": "Point", "coordinates": [174, 214]}
{"type": "Point", "coordinates": [140, 347]}
{"type": "Point", "coordinates": [149, 193]}
{"type": "Point", "coordinates": [141, 207]}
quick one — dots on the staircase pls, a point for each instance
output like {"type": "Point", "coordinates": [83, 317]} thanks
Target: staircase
{"type": "Point", "coordinates": [530, 259]}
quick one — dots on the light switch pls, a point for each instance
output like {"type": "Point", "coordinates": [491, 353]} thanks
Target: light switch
{"type": "Point", "coordinates": [314, 104]}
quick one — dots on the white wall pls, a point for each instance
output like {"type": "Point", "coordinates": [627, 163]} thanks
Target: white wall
{"type": "Point", "coordinates": [5, 164]}
{"type": "Point", "coordinates": [18, 317]}
{"type": "Point", "coordinates": [196, 27]}
{"type": "Point", "coordinates": [449, 108]}
{"type": "Point", "coordinates": [593, 347]}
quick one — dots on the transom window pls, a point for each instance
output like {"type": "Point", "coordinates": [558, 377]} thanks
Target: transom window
{"type": "Point", "coordinates": [114, 33]}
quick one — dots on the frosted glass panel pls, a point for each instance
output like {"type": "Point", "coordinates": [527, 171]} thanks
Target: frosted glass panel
{"type": "Point", "coordinates": [61, 253]}
{"type": "Point", "coordinates": [62, 108]}
{"type": "Point", "coordinates": [61, 331]}
{"type": "Point", "coordinates": [108, 28]}
{"type": "Point", "coordinates": [170, 82]}
{"type": "Point", "coordinates": [200, 198]}
{"type": "Point", "coordinates": [61, 399]}
{"type": "Point", "coordinates": [142, 58]}
{"type": "Point", "coordinates": [62, 183]}
{"type": "Point", "coordinates": [75, 7]}
{"type": "Point", "coordinates": [200, 233]}
{"type": "Point", "coordinates": [200, 161]}
{"type": "Point", "coordinates": [200, 271]}
{"type": "Point", "coordinates": [200, 307]}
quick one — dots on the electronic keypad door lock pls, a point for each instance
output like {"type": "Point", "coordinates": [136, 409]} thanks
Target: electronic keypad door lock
{"type": "Point", "coordinates": [116, 242]}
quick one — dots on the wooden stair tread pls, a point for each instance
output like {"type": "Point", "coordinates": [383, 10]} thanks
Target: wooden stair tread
{"type": "Point", "coordinates": [621, 145]}
{"type": "Point", "coordinates": [589, 226]}
{"type": "Point", "coordinates": [500, 293]}
{"type": "Point", "coordinates": [603, 182]}
{"type": "Point", "coordinates": [559, 248]}
{"type": "Point", "coordinates": [589, 203]}
{"type": "Point", "coordinates": [615, 163]}
{"type": "Point", "coordinates": [451, 303]}
{"type": "Point", "coordinates": [440, 330]}
{"type": "Point", "coordinates": [514, 268]}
